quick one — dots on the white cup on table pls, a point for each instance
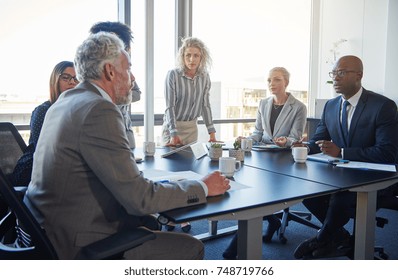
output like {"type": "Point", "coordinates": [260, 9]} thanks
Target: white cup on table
{"type": "Point", "coordinates": [149, 148]}
{"type": "Point", "coordinates": [229, 165]}
{"type": "Point", "coordinates": [246, 144]}
{"type": "Point", "coordinates": [300, 154]}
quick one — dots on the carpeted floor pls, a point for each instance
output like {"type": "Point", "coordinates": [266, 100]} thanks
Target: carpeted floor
{"type": "Point", "coordinates": [295, 234]}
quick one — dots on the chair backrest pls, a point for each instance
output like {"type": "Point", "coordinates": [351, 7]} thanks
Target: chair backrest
{"type": "Point", "coordinates": [12, 147]}
{"type": "Point", "coordinates": [42, 247]}
{"type": "Point", "coordinates": [310, 127]}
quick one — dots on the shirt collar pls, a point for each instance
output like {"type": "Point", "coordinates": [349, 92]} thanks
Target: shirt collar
{"type": "Point", "coordinates": [103, 93]}
{"type": "Point", "coordinates": [353, 100]}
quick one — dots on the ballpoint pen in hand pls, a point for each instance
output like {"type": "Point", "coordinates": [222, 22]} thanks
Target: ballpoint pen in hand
{"type": "Point", "coordinates": [301, 142]}
{"type": "Point", "coordinates": [337, 161]}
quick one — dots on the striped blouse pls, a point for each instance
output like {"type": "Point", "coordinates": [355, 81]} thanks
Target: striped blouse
{"type": "Point", "coordinates": [187, 99]}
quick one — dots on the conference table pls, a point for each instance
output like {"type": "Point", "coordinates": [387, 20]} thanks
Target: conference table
{"type": "Point", "coordinates": [364, 182]}
{"type": "Point", "coordinates": [274, 182]}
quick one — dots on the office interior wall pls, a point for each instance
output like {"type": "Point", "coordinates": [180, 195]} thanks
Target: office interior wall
{"type": "Point", "coordinates": [369, 26]}
{"type": "Point", "coordinates": [390, 88]}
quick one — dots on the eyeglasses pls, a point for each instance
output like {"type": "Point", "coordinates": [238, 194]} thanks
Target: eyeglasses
{"type": "Point", "coordinates": [67, 78]}
{"type": "Point", "coordinates": [340, 73]}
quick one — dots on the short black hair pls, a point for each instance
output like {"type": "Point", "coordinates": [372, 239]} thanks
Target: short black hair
{"type": "Point", "coordinates": [122, 30]}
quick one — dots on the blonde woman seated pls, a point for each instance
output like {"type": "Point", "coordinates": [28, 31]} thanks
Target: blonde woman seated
{"type": "Point", "coordinates": [280, 120]}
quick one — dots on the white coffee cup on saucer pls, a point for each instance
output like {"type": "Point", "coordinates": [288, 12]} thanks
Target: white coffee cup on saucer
{"type": "Point", "coordinates": [300, 154]}
{"type": "Point", "coordinates": [229, 165]}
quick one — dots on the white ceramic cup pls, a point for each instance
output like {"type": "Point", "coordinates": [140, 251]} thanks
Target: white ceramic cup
{"type": "Point", "coordinates": [300, 154]}
{"type": "Point", "coordinates": [149, 148]}
{"type": "Point", "coordinates": [228, 166]}
{"type": "Point", "coordinates": [247, 144]}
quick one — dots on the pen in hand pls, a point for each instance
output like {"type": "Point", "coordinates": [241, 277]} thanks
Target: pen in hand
{"type": "Point", "coordinates": [337, 161]}
{"type": "Point", "coordinates": [301, 142]}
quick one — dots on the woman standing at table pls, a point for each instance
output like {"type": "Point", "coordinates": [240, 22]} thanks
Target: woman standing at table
{"type": "Point", "coordinates": [63, 77]}
{"type": "Point", "coordinates": [280, 120]}
{"type": "Point", "coordinates": [187, 95]}
{"type": "Point", "coordinates": [187, 98]}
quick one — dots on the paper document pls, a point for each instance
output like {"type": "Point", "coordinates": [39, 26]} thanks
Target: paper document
{"type": "Point", "coordinates": [370, 166]}
{"type": "Point", "coordinates": [163, 176]}
{"type": "Point", "coordinates": [352, 164]}
{"type": "Point", "coordinates": [259, 147]}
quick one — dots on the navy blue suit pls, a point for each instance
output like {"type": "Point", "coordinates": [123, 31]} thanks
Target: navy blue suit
{"type": "Point", "coordinates": [373, 137]}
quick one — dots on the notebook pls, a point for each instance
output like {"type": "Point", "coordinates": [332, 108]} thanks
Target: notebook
{"type": "Point", "coordinates": [268, 147]}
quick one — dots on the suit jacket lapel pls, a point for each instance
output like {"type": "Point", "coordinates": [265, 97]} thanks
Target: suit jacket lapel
{"type": "Point", "coordinates": [283, 115]}
{"type": "Point", "coordinates": [267, 128]}
{"type": "Point", "coordinates": [357, 114]}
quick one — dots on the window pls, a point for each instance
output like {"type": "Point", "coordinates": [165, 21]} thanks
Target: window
{"type": "Point", "coordinates": [34, 37]}
{"type": "Point", "coordinates": [246, 39]}
{"type": "Point", "coordinates": [164, 55]}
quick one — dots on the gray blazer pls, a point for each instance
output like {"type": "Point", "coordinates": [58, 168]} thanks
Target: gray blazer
{"type": "Point", "coordinates": [85, 182]}
{"type": "Point", "coordinates": [290, 122]}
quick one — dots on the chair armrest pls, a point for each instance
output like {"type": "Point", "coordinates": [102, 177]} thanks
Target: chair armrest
{"type": "Point", "coordinates": [20, 191]}
{"type": "Point", "coordinates": [7, 223]}
{"type": "Point", "coordinates": [116, 244]}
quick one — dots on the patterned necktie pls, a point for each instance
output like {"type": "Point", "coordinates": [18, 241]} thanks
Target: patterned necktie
{"type": "Point", "coordinates": [344, 121]}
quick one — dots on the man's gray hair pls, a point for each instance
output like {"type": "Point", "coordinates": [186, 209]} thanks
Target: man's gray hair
{"type": "Point", "coordinates": [94, 52]}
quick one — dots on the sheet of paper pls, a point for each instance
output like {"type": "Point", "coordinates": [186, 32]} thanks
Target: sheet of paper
{"type": "Point", "coordinates": [161, 175]}
{"type": "Point", "coordinates": [352, 164]}
{"type": "Point", "coordinates": [368, 165]}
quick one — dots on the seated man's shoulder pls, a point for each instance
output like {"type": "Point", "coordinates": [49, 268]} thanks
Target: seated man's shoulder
{"type": "Point", "coordinates": [379, 100]}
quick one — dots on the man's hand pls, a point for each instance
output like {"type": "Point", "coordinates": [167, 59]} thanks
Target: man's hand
{"type": "Point", "coordinates": [174, 141]}
{"type": "Point", "coordinates": [216, 183]}
{"type": "Point", "coordinates": [329, 148]}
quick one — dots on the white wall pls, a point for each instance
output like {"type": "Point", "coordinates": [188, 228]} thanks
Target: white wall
{"type": "Point", "coordinates": [370, 28]}
{"type": "Point", "coordinates": [391, 72]}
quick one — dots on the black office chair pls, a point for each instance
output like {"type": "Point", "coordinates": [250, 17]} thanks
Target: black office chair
{"type": "Point", "coordinates": [301, 217]}
{"type": "Point", "coordinates": [12, 147]}
{"type": "Point", "coordinates": [387, 199]}
{"type": "Point", "coordinates": [33, 243]}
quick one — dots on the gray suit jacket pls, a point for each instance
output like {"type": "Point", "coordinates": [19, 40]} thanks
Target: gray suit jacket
{"type": "Point", "coordinates": [290, 122]}
{"type": "Point", "coordinates": [85, 182]}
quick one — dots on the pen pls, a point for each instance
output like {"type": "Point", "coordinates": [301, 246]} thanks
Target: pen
{"type": "Point", "coordinates": [301, 142]}
{"type": "Point", "coordinates": [163, 181]}
{"type": "Point", "coordinates": [335, 161]}
{"type": "Point", "coordinates": [169, 181]}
